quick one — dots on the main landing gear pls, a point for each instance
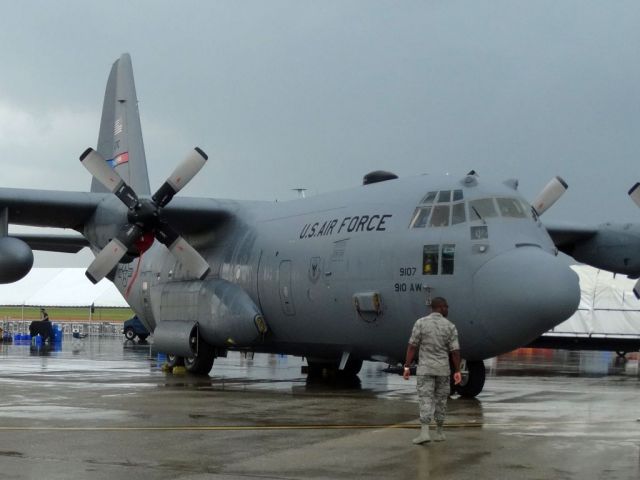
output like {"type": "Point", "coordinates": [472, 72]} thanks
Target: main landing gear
{"type": "Point", "coordinates": [317, 368]}
{"type": "Point", "coordinates": [199, 364]}
{"type": "Point", "coordinates": [473, 376]}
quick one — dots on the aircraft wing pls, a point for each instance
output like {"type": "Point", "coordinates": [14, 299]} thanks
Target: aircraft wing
{"type": "Point", "coordinates": [49, 208]}
{"type": "Point", "coordinates": [566, 235]}
{"type": "Point", "coordinates": [191, 215]}
{"type": "Point", "coordinates": [53, 243]}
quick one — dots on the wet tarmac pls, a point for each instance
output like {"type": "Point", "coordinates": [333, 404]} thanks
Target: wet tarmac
{"type": "Point", "coordinates": [100, 408]}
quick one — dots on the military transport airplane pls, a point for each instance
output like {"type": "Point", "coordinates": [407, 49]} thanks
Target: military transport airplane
{"type": "Point", "coordinates": [336, 278]}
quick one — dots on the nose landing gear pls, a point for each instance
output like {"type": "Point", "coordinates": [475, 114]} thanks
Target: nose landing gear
{"type": "Point", "coordinates": [473, 376]}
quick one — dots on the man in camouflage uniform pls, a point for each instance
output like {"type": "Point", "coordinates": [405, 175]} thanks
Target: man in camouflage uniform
{"type": "Point", "coordinates": [437, 341]}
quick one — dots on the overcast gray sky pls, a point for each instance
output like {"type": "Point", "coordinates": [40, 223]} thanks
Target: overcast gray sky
{"type": "Point", "coordinates": [316, 94]}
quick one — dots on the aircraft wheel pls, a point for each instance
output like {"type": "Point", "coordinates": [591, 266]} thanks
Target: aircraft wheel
{"type": "Point", "coordinates": [315, 369]}
{"type": "Point", "coordinates": [129, 334]}
{"type": "Point", "coordinates": [174, 361]}
{"type": "Point", "coordinates": [202, 363]}
{"type": "Point", "coordinates": [318, 368]}
{"type": "Point", "coordinates": [352, 368]}
{"type": "Point", "coordinates": [473, 376]}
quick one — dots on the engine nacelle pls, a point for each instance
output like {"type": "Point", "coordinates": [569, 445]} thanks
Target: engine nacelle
{"type": "Point", "coordinates": [615, 248]}
{"type": "Point", "coordinates": [220, 312]}
{"type": "Point", "coordinates": [176, 337]}
{"type": "Point", "coordinates": [16, 259]}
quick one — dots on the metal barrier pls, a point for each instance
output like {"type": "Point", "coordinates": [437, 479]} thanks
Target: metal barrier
{"type": "Point", "coordinates": [110, 329]}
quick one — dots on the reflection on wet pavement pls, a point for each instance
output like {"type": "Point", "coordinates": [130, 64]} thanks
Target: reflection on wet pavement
{"type": "Point", "coordinates": [543, 414]}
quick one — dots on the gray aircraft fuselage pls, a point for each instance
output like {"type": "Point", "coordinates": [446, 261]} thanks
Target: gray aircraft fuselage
{"type": "Point", "coordinates": [304, 262]}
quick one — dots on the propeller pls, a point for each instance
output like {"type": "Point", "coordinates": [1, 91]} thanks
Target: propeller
{"type": "Point", "coordinates": [145, 216]}
{"type": "Point", "coordinates": [549, 195]}
{"type": "Point", "coordinates": [634, 193]}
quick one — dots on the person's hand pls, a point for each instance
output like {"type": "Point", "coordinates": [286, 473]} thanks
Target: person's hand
{"type": "Point", "coordinates": [457, 378]}
{"type": "Point", "coordinates": [406, 374]}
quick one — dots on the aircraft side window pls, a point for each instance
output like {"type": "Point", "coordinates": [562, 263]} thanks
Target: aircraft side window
{"type": "Point", "coordinates": [526, 208]}
{"type": "Point", "coordinates": [420, 217]}
{"type": "Point", "coordinates": [430, 258]}
{"type": "Point", "coordinates": [457, 195]}
{"type": "Point", "coordinates": [429, 197]}
{"type": "Point", "coordinates": [511, 208]}
{"type": "Point", "coordinates": [445, 196]}
{"type": "Point", "coordinates": [458, 213]}
{"type": "Point", "coordinates": [440, 217]}
{"type": "Point", "coordinates": [481, 209]}
{"type": "Point", "coordinates": [448, 256]}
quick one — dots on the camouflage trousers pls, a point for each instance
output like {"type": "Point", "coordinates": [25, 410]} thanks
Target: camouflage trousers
{"type": "Point", "coordinates": [433, 393]}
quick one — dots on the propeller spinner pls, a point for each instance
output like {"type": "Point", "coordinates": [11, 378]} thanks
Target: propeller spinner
{"type": "Point", "coordinates": [144, 216]}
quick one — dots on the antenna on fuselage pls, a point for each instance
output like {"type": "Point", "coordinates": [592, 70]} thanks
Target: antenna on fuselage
{"type": "Point", "coordinates": [300, 191]}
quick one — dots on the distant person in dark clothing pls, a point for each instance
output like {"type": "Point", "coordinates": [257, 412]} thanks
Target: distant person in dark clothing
{"type": "Point", "coordinates": [44, 316]}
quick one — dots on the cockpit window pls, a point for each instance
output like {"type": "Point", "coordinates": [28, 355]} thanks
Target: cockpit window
{"type": "Point", "coordinates": [445, 196]}
{"type": "Point", "coordinates": [429, 197]}
{"type": "Point", "coordinates": [439, 209]}
{"type": "Point", "coordinates": [528, 209]}
{"type": "Point", "coordinates": [457, 213]}
{"type": "Point", "coordinates": [511, 207]}
{"type": "Point", "coordinates": [481, 209]}
{"type": "Point", "coordinates": [440, 217]}
{"type": "Point", "coordinates": [420, 217]}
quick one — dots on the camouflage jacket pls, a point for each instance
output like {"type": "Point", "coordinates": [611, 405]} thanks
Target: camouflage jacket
{"type": "Point", "coordinates": [435, 336]}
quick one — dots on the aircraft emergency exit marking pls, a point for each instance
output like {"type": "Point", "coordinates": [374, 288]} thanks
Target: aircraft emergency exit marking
{"type": "Point", "coordinates": [359, 223]}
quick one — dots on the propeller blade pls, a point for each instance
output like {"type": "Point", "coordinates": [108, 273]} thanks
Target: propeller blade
{"type": "Point", "coordinates": [182, 175]}
{"type": "Point", "coordinates": [634, 193]}
{"type": "Point", "coordinates": [107, 176]}
{"type": "Point", "coordinates": [111, 255]}
{"type": "Point", "coordinates": [190, 259]}
{"type": "Point", "coordinates": [549, 195]}
{"type": "Point", "coordinates": [636, 289]}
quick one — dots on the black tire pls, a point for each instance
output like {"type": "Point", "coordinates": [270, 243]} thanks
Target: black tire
{"type": "Point", "coordinates": [129, 334]}
{"type": "Point", "coordinates": [202, 363]}
{"type": "Point", "coordinates": [473, 381]}
{"type": "Point", "coordinates": [175, 361]}
{"type": "Point", "coordinates": [142, 338]}
{"type": "Point", "coordinates": [352, 368]}
{"type": "Point", "coordinates": [318, 368]}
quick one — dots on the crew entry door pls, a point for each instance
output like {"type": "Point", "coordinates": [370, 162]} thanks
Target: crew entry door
{"type": "Point", "coordinates": [286, 297]}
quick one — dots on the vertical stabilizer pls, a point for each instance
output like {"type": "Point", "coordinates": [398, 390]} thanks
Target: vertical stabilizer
{"type": "Point", "coordinates": [120, 137]}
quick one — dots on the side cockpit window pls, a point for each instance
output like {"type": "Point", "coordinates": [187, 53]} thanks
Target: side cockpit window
{"type": "Point", "coordinates": [505, 207]}
{"type": "Point", "coordinates": [481, 209]}
{"type": "Point", "coordinates": [511, 207]}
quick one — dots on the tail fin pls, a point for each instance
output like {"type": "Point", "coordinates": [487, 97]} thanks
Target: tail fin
{"type": "Point", "coordinates": [120, 138]}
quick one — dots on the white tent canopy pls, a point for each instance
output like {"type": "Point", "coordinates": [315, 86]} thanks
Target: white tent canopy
{"type": "Point", "coordinates": [607, 307]}
{"type": "Point", "coordinates": [60, 287]}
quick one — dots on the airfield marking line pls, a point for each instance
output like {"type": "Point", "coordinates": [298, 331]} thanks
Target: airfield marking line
{"type": "Point", "coordinates": [212, 428]}
{"type": "Point", "coordinates": [298, 427]}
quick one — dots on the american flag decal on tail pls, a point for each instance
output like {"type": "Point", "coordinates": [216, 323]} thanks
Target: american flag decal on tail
{"type": "Point", "coordinates": [119, 159]}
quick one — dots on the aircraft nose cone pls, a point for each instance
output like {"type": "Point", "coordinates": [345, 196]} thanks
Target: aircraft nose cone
{"type": "Point", "coordinates": [521, 294]}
